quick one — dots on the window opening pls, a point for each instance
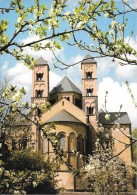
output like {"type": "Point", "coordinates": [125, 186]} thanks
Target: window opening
{"type": "Point", "coordinates": [67, 98]}
{"type": "Point", "coordinates": [39, 76]}
{"type": "Point", "coordinates": [89, 92]}
{"type": "Point", "coordinates": [62, 141]}
{"type": "Point", "coordinates": [13, 144]}
{"type": "Point", "coordinates": [88, 75]}
{"type": "Point", "coordinates": [79, 143]}
{"type": "Point", "coordinates": [107, 144]}
{"type": "Point", "coordinates": [39, 93]}
{"type": "Point", "coordinates": [78, 102]}
{"type": "Point", "coordinates": [90, 110]}
{"type": "Point", "coordinates": [46, 144]}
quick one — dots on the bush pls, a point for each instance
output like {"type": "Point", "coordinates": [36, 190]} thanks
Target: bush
{"type": "Point", "coordinates": [25, 159]}
{"type": "Point", "coordinates": [26, 172]}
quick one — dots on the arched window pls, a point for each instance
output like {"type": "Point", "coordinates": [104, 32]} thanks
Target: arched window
{"type": "Point", "coordinates": [62, 141]}
{"type": "Point", "coordinates": [39, 93]}
{"type": "Point", "coordinates": [107, 144]}
{"type": "Point", "coordinates": [46, 144]}
{"type": "Point", "coordinates": [39, 76]}
{"type": "Point", "coordinates": [88, 75]}
{"type": "Point", "coordinates": [89, 92]}
{"type": "Point", "coordinates": [79, 143]}
{"type": "Point", "coordinates": [72, 142]}
{"type": "Point", "coordinates": [90, 110]}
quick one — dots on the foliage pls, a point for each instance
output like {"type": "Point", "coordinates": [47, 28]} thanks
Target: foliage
{"type": "Point", "coordinates": [106, 173]}
{"type": "Point", "coordinates": [26, 172]}
{"type": "Point", "coordinates": [25, 159]}
{"type": "Point", "coordinates": [134, 135]}
{"type": "Point", "coordinates": [48, 24]}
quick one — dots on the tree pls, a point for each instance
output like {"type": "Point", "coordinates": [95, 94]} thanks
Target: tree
{"type": "Point", "coordinates": [48, 24]}
{"type": "Point", "coordinates": [134, 134]}
{"type": "Point", "coordinates": [115, 176]}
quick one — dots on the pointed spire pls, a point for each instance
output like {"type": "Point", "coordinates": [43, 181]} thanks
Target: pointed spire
{"type": "Point", "coordinates": [88, 60]}
{"type": "Point", "coordinates": [41, 61]}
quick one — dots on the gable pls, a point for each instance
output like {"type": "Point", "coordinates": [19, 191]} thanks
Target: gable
{"type": "Point", "coordinates": [63, 116]}
{"type": "Point", "coordinates": [68, 107]}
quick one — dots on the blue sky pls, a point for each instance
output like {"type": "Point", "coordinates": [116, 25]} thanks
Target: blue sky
{"type": "Point", "coordinates": [111, 76]}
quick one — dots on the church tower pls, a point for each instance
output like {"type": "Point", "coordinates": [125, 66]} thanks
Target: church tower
{"type": "Point", "coordinates": [40, 82]}
{"type": "Point", "coordinates": [89, 90]}
{"type": "Point", "coordinates": [40, 94]}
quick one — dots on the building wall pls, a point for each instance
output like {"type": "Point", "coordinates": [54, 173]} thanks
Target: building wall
{"type": "Point", "coordinates": [120, 140]}
{"type": "Point", "coordinates": [72, 97]}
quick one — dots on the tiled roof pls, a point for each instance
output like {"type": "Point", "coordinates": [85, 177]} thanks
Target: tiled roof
{"type": "Point", "coordinates": [88, 60]}
{"type": "Point", "coordinates": [65, 85]}
{"type": "Point", "coordinates": [124, 118]}
{"type": "Point", "coordinates": [63, 116]}
{"type": "Point", "coordinates": [41, 61]}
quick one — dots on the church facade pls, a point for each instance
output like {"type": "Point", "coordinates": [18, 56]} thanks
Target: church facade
{"type": "Point", "coordinates": [76, 117]}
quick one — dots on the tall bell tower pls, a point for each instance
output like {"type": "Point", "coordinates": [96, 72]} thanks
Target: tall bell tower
{"type": "Point", "coordinates": [40, 94]}
{"type": "Point", "coordinates": [40, 82]}
{"type": "Point", "coordinates": [89, 90]}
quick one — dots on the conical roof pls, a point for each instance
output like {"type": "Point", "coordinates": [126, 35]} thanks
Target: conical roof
{"type": "Point", "coordinates": [63, 116]}
{"type": "Point", "coordinates": [65, 85]}
{"type": "Point", "coordinates": [41, 61]}
{"type": "Point", "coordinates": [88, 60]}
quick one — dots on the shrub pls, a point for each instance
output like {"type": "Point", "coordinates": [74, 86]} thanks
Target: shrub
{"type": "Point", "coordinates": [26, 172]}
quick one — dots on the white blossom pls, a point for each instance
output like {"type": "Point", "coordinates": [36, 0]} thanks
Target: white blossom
{"type": "Point", "coordinates": [130, 136]}
{"type": "Point", "coordinates": [125, 1]}
{"type": "Point", "coordinates": [101, 129]}
{"type": "Point", "coordinates": [80, 24]}
{"type": "Point", "coordinates": [106, 15]}
{"type": "Point", "coordinates": [67, 13]}
{"type": "Point", "coordinates": [107, 116]}
{"type": "Point", "coordinates": [107, 135]}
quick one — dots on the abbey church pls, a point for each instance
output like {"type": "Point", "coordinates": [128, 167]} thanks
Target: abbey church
{"type": "Point", "coordinates": [76, 117]}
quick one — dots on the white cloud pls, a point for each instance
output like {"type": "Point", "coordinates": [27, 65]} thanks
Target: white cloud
{"type": "Point", "coordinates": [54, 79]}
{"type": "Point", "coordinates": [74, 72]}
{"type": "Point", "coordinates": [5, 66]}
{"type": "Point", "coordinates": [117, 95]}
{"type": "Point", "coordinates": [21, 75]}
{"type": "Point", "coordinates": [104, 65]}
{"type": "Point", "coordinates": [126, 72]}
